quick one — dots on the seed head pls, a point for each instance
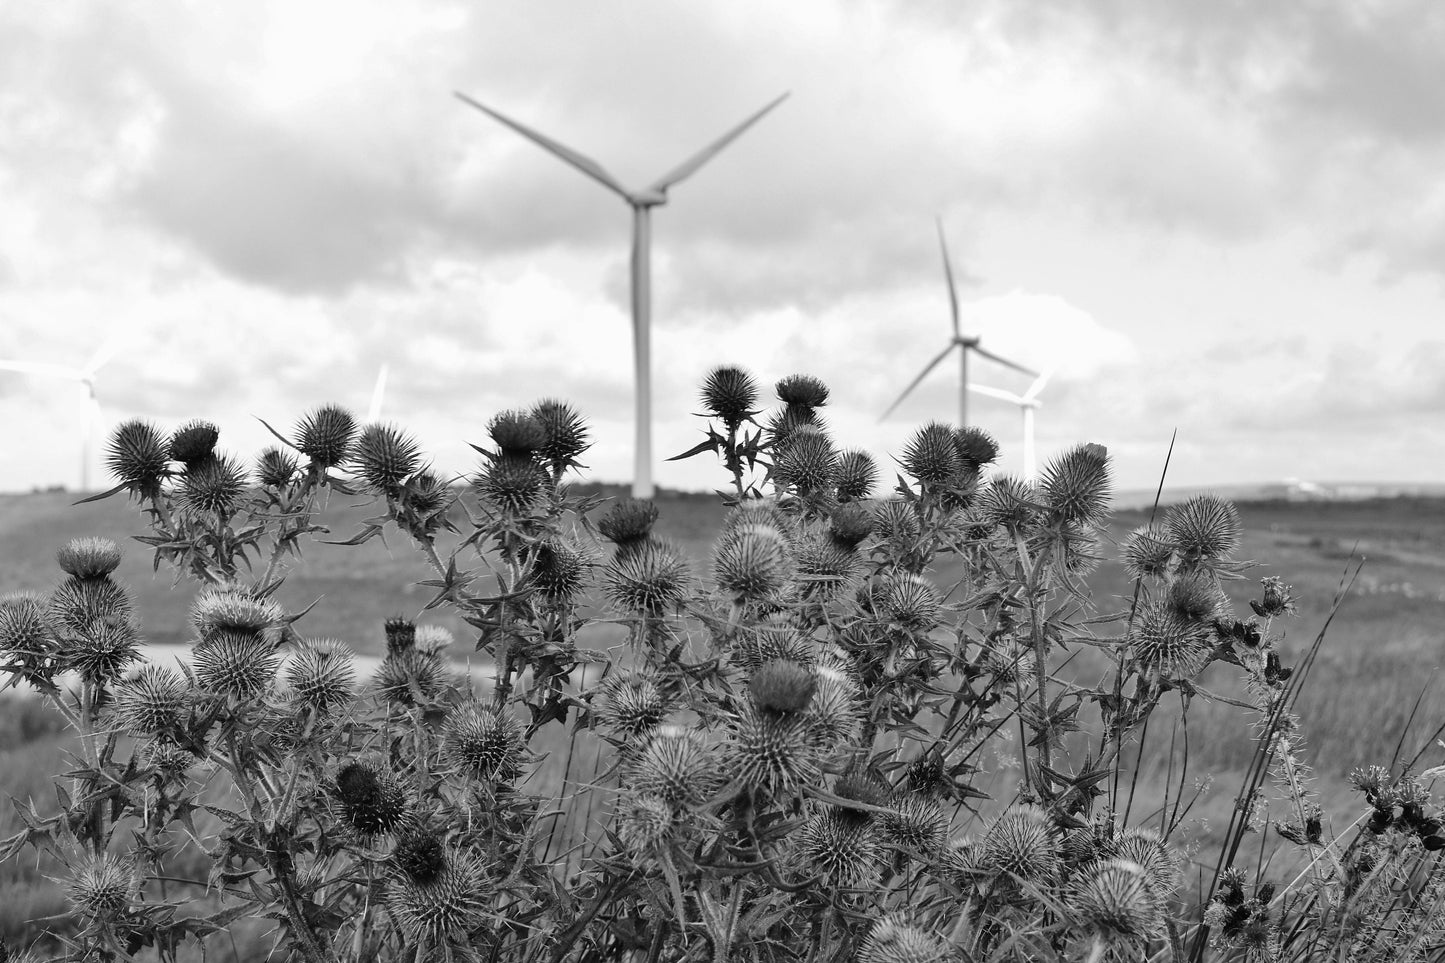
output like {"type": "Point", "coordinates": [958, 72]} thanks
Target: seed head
{"type": "Point", "coordinates": [559, 571]}
{"type": "Point", "coordinates": [400, 634]}
{"type": "Point", "coordinates": [647, 822]}
{"type": "Point", "coordinates": [385, 456]}
{"type": "Point", "coordinates": [229, 608]}
{"type": "Point", "coordinates": [102, 888]}
{"type": "Point", "coordinates": [193, 442]}
{"type": "Point", "coordinates": [894, 941]}
{"type": "Point", "coordinates": [410, 678]}
{"type": "Point", "coordinates": [76, 604]}
{"type": "Point", "coordinates": [235, 663]}
{"type": "Point", "coordinates": [564, 431]}
{"type": "Point", "coordinates": [773, 752]}
{"type": "Point", "coordinates": [154, 701]}
{"type": "Point", "coordinates": [517, 433]}
{"type": "Point", "coordinates": [372, 800]}
{"type": "Point", "coordinates": [1076, 485]}
{"type": "Point", "coordinates": [322, 675]}
{"type": "Point", "coordinates": [628, 522]}
{"type": "Point", "coordinates": [1114, 901]}
{"type": "Point", "coordinates": [751, 563]}
{"type": "Point", "coordinates": [1023, 844]}
{"type": "Point", "coordinates": [1008, 500]}
{"type": "Point", "coordinates": [89, 558]}
{"type": "Point", "coordinates": [512, 482]}
{"type": "Point", "coordinates": [842, 850]}
{"type": "Point", "coordinates": [102, 650]}
{"type": "Point", "coordinates": [1147, 552]}
{"type": "Point", "coordinates": [450, 906]}
{"type": "Point", "coordinates": [275, 467]}
{"type": "Point", "coordinates": [1174, 647]}
{"type": "Point", "coordinates": [137, 457]}
{"type": "Point", "coordinates": [632, 704]}
{"type": "Point", "coordinates": [432, 639]}
{"type": "Point", "coordinates": [932, 456]}
{"type": "Point", "coordinates": [1206, 528]}
{"type": "Point", "coordinates": [807, 462]}
{"type": "Point", "coordinates": [325, 436]}
{"type": "Point", "coordinates": [486, 745]}
{"type": "Point", "coordinates": [912, 602]}
{"type": "Point", "coordinates": [651, 579]}
{"type": "Point", "coordinates": [803, 391]}
{"type": "Point", "coordinates": [674, 767]}
{"type": "Point", "coordinates": [729, 393]}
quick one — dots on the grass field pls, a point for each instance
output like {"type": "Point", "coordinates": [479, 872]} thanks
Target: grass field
{"type": "Point", "coordinates": [1383, 649]}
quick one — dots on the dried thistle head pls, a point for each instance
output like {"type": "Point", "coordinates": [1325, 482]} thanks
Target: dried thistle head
{"type": "Point", "coordinates": [1145, 849]}
{"type": "Point", "coordinates": [1008, 501]}
{"type": "Point", "coordinates": [857, 475]}
{"type": "Point", "coordinates": [193, 442]}
{"type": "Point", "coordinates": [213, 486]}
{"type": "Point", "coordinates": [26, 631]}
{"type": "Point", "coordinates": [807, 462]}
{"type": "Point", "coordinates": [385, 456]}
{"type": "Point", "coordinates": [1195, 598]}
{"type": "Point", "coordinates": [729, 393]}
{"type": "Point", "coordinates": [76, 604]}
{"type": "Point", "coordinates": [411, 678]}
{"type": "Point", "coordinates": [912, 602]}
{"type": "Point", "coordinates": [89, 558]}
{"type": "Point", "coordinates": [484, 744]}
{"type": "Point", "coordinates": [772, 752]}
{"type": "Point", "coordinates": [1174, 647]}
{"type": "Point", "coordinates": [559, 571]}
{"type": "Point", "coordinates": [371, 798]}
{"type": "Point", "coordinates": [976, 447]}
{"type": "Point", "coordinates": [782, 425]}
{"type": "Point", "coordinates": [102, 650]}
{"type": "Point", "coordinates": [650, 580]}
{"type": "Point", "coordinates": [400, 634]}
{"type": "Point", "coordinates": [896, 521]}
{"type": "Point", "coordinates": [646, 824]}
{"type": "Point", "coordinates": [917, 822]}
{"type": "Point", "coordinates": [433, 639]}
{"type": "Point", "coordinates": [325, 436]}
{"type": "Point", "coordinates": [138, 458]}
{"type": "Point", "coordinates": [517, 433]}
{"type": "Point", "coordinates": [826, 569]}
{"type": "Point", "coordinates": [1113, 901]}
{"type": "Point", "coordinates": [322, 675]}
{"type": "Point", "coordinates": [851, 523]}
{"type": "Point", "coordinates": [1077, 485]}
{"type": "Point", "coordinates": [1148, 553]}
{"type": "Point", "coordinates": [230, 608]}
{"type": "Point", "coordinates": [445, 902]}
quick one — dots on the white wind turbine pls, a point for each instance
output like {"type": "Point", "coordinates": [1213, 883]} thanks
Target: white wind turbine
{"type": "Point", "coordinates": [373, 411]}
{"type": "Point", "coordinates": [85, 376]}
{"type": "Point", "coordinates": [1028, 403]}
{"type": "Point", "coordinates": [959, 341]}
{"type": "Point", "coordinates": [642, 202]}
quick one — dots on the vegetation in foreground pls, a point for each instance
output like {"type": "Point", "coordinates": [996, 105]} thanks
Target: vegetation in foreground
{"type": "Point", "coordinates": [789, 747]}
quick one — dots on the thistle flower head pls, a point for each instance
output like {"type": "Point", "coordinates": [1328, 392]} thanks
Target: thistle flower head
{"type": "Point", "coordinates": [1205, 527]}
{"type": "Point", "coordinates": [803, 391]}
{"type": "Point", "coordinates": [559, 571]}
{"type": "Point", "coordinates": [752, 562]}
{"type": "Point", "coordinates": [75, 604]}
{"type": "Point", "coordinates": [1278, 599]}
{"type": "Point", "coordinates": [26, 631]}
{"type": "Point", "coordinates": [137, 456]}
{"type": "Point", "coordinates": [729, 393]}
{"type": "Point", "coordinates": [385, 456]}
{"type": "Point", "coordinates": [896, 521]}
{"type": "Point", "coordinates": [228, 608]}
{"type": "Point", "coordinates": [193, 442]}
{"type": "Point", "coordinates": [894, 941]}
{"type": "Point", "coordinates": [447, 907]}
{"type": "Point", "coordinates": [674, 767]}
{"type": "Point", "coordinates": [1195, 598]}
{"type": "Point", "coordinates": [1147, 552]}
{"type": "Point", "coordinates": [517, 433]}
{"type": "Point", "coordinates": [420, 856]}
{"type": "Point", "coordinates": [912, 602]}
{"type": "Point", "coordinates": [628, 522]}
{"type": "Point", "coordinates": [1023, 844]}
{"type": "Point", "coordinates": [213, 486]}
{"type": "Point", "coordinates": [372, 800]}
{"type": "Point", "coordinates": [761, 511]}
{"type": "Point", "coordinates": [102, 888]}
{"type": "Point", "coordinates": [102, 650]}
{"type": "Point", "coordinates": [807, 461]}
{"type": "Point", "coordinates": [325, 436]}
{"type": "Point", "coordinates": [860, 785]}
{"type": "Point", "coordinates": [931, 456]}
{"type": "Point", "coordinates": [775, 638]}
{"type": "Point", "coordinates": [1007, 500]}
{"type": "Point", "coordinates": [651, 579]}
{"type": "Point", "coordinates": [927, 773]}
{"type": "Point", "coordinates": [1145, 849]}
{"type": "Point", "coordinates": [512, 482]}
{"type": "Point", "coordinates": [89, 558]}
{"type": "Point", "coordinates": [1076, 485]}
{"type": "Point", "coordinates": [276, 467]}
{"type": "Point", "coordinates": [826, 569]}
{"type": "Point", "coordinates": [400, 634]}
{"type": "Point", "coordinates": [976, 447]}
{"type": "Point", "coordinates": [1174, 647]}
{"type": "Point", "coordinates": [426, 498]}
{"type": "Point", "coordinates": [647, 822]}
{"type": "Point", "coordinates": [236, 664]}
{"type": "Point", "coordinates": [857, 474]}
{"type": "Point", "coordinates": [782, 687]}
{"type": "Point", "coordinates": [153, 701]}
{"type": "Point", "coordinates": [851, 523]}
{"type": "Point", "coordinates": [632, 704]}
{"type": "Point", "coordinates": [835, 714]}
{"type": "Point", "coordinates": [917, 822]}
{"type": "Point", "coordinates": [169, 760]}
{"type": "Point", "coordinates": [1114, 901]}
{"type": "Point", "coordinates": [842, 850]}
{"type": "Point", "coordinates": [772, 752]}
{"type": "Point", "coordinates": [486, 745]}
{"type": "Point", "coordinates": [410, 678]}
{"type": "Point", "coordinates": [322, 674]}
{"type": "Point", "coordinates": [433, 639]}
{"type": "Point", "coordinates": [564, 433]}
{"type": "Point", "coordinates": [782, 425]}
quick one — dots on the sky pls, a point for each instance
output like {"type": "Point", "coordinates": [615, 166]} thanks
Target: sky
{"type": "Point", "coordinates": [1218, 217]}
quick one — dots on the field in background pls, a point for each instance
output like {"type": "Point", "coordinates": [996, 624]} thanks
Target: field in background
{"type": "Point", "coordinates": [1383, 649]}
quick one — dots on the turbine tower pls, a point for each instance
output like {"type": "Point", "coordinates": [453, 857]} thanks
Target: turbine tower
{"type": "Point", "coordinates": [373, 411]}
{"type": "Point", "coordinates": [1028, 403]}
{"type": "Point", "coordinates": [960, 342]}
{"type": "Point", "coordinates": [85, 376]}
{"type": "Point", "coordinates": [642, 202]}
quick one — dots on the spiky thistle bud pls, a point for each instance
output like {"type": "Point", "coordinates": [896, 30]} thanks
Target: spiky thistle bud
{"type": "Point", "coordinates": [826, 569]}
{"type": "Point", "coordinates": [629, 522]}
{"type": "Point", "coordinates": [137, 457]}
{"type": "Point", "coordinates": [325, 436]}
{"type": "Point", "coordinates": [513, 482]}
{"type": "Point", "coordinates": [842, 850]}
{"type": "Point", "coordinates": [772, 752]}
{"type": "Point", "coordinates": [927, 774]}
{"type": "Point", "coordinates": [1174, 647]}
{"type": "Point", "coordinates": [102, 650]}
{"type": "Point", "coordinates": [807, 462]}
{"type": "Point", "coordinates": [675, 766]}
{"type": "Point", "coordinates": [372, 800]}
{"type": "Point", "coordinates": [894, 941]}
{"type": "Point", "coordinates": [861, 786]}
{"type": "Point", "coordinates": [433, 639]}
{"type": "Point", "coordinates": [564, 434]}
{"type": "Point", "coordinates": [917, 822]}
{"type": "Point", "coordinates": [646, 824]}
{"type": "Point", "coordinates": [1195, 598]}
{"type": "Point", "coordinates": [410, 678]}
{"type": "Point", "coordinates": [1147, 552]}
{"type": "Point", "coordinates": [1278, 599]}
{"type": "Point", "coordinates": [896, 521]}
{"type": "Point", "coordinates": [1076, 485]}
{"type": "Point", "coordinates": [102, 888]}
{"type": "Point", "coordinates": [322, 674]}
{"type": "Point", "coordinates": [729, 393]}
{"type": "Point", "coordinates": [802, 391]}
{"type": "Point", "coordinates": [1144, 848]}
{"type": "Point", "coordinates": [276, 468]}
{"type": "Point", "coordinates": [559, 571]}
{"type": "Point", "coordinates": [651, 579]}
{"type": "Point", "coordinates": [385, 456]}
{"type": "Point", "coordinates": [77, 603]}
{"type": "Point", "coordinates": [782, 687]}
{"type": "Point", "coordinates": [775, 638]}
{"type": "Point", "coordinates": [235, 663]}
{"type": "Point", "coordinates": [89, 558]}
{"type": "Point", "coordinates": [632, 704]}
{"type": "Point", "coordinates": [751, 563]}
{"type": "Point", "coordinates": [850, 524]}
{"type": "Point", "coordinates": [213, 486]}
{"type": "Point", "coordinates": [448, 906]}
{"type": "Point", "coordinates": [912, 602]}
{"type": "Point", "coordinates": [761, 511]}
{"type": "Point", "coordinates": [154, 701]}
{"type": "Point", "coordinates": [420, 856]}
{"type": "Point", "coordinates": [857, 474]}
{"type": "Point", "coordinates": [1008, 501]}
{"type": "Point", "coordinates": [931, 456]}
{"type": "Point", "coordinates": [26, 631]}
{"type": "Point", "coordinates": [1114, 902]}
{"type": "Point", "coordinates": [400, 634]}
{"type": "Point", "coordinates": [1023, 844]}
{"type": "Point", "coordinates": [517, 432]}
{"type": "Point", "coordinates": [221, 608]}
{"type": "Point", "coordinates": [976, 447]}
{"type": "Point", "coordinates": [486, 745]}
{"type": "Point", "coordinates": [1205, 527]}
{"type": "Point", "coordinates": [169, 760]}
{"type": "Point", "coordinates": [193, 442]}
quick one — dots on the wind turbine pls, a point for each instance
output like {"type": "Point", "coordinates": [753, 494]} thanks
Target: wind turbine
{"type": "Point", "coordinates": [958, 341]}
{"type": "Point", "coordinates": [642, 202]}
{"type": "Point", "coordinates": [1028, 403]}
{"type": "Point", "coordinates": [373, 412]}
{"type": "Point", "coordinates": [85, 376]}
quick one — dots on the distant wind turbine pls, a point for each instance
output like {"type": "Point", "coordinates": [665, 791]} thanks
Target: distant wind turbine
{"type": "Point", "coordinates": [373, 412]}
{"type": "Point", "coordinates": [1028, 403]}
{"type": "Point", "coordinates": [84, 375]}
{"type": "Point", "coordinates": [642, 201]}
{"type": "Point", "coordinates": [959, 341]}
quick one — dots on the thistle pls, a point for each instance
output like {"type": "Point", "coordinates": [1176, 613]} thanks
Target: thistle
{"type": "Point", "coordinates": [1114, 902]}
{"type": "Point", "coordinates": [850, 524]}
{"type": "Point", "coordinates": [775, 638]}
{"type": "Point", "coordinates": [559, 571]}
{"type": "Point", "coordinates": [1145, 849]}
{"type": "Point", "coordinates": [976, 447]}
{"type": "Point", "coordinates": [102, 650]}
{"type": "Point", "coordinates": [1022, 844]}
{"type": "Point", "coordinates": [651, 580]}
{"type": "Point", "coordinates": [782, 687]}
{"type": "Point", "coordinates": [1076, 485]}
{"type": "Point", "coordinates": [896, 521]}
{"type": "Point", "coordinates": [912, 602]}
{"type": "Point", "coordinates": [792, 419]}
{"type": "Point", "coordinates": [89, 558]}
{"type": "Point", "coordinates": [628, 523]}
{"type": "Point", "coordinates": [1194, 598]}
{"type": "Point", "coordinates": [445, 900]}
{"type": "Point", "coordinates": [228, 608]}
{"type": "Point", "coordinates": [517, 433]}
{"type": "Point", "coordinates": [931, 456]}
{"type": "Point", "coordinates": [384, 457]}
{"type": "Point", "coordinates": [894, 941]}
{"type": "Point", "coordinates": [513, 482]}
{"type": "Point", "coordinates": [235, 663]}
{"type": "Point", "coordinates": [857, 474]}
{"type": "Point", "coordinates": [76, 604]}
{"type": "Point", "coordinates": [410, 678]}
{"type": "Point", "coordinates": [843, 851]}
{"type": "Point", "coordinates": [325, 436]}
{"type": "Point", "coordinates": [486, 745]}
{"type": "Point", "coordinates": [26, 632]}
{"type": "Point", "coordinates": [400, 635]}
{"type": "Point", "coordinates": [276, 468]}
{"type": "Point", "coordinates": [102, 888]}
{"type": "Point", "coordinates": [826, 569]}
{"type": "Point", "coordinates": [802, 391]}
{"type": "Point", "coordinates": [772, 752]}
{"type": "Point", "coordinates": [193, 442]}
{"type": "Point", "coordinates": [807, 462]}
{"type": "Point", "coordinates": [1008, 502]}
{"type": "Point", "coordinates": [138, 458]}
{"type": "Point", "coordinates": [674, 767]}
{"type": "Point", "coordinates": [1148, 552]}
{"type": "Point", "coordinates": [647, 823]}
{"type": "Point", "coordinates": [917, 822]}
{"type": "Point", "coordinates": [752, 564]}
{"type": "Point", "coordinates": [433, 639]}
{"type": "Point", "coordinates": [154, 701]}
{"type": "Point", "coordinates": [1205, 528]}
{"type": "Point", "coordinates": [632, 704]}
{"type": "Point", "coordinates": [564, 435]}
{"type": "Point", "coordinates": [729, 393]}
{"type": "Point", "coordinates": [371, 799]}
{"type": "Point", "coordinates": [322, 675]}
{"type": "Point", "coordinates": [1174, 647]}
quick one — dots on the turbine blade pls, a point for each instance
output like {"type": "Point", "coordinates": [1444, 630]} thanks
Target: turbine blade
{"type": "Point", "coordinates": [582, 162]}
{"type": "Point", "coordinates": [1004, 361]}
{"type": "Point", "coordinates": [1038, 385]}
{"type": "Point", "coordinates": [103, 354]}
{"type": "Point", "coordinates": [374, 411]}
{"type": "Point", "coordinates": [921, 375]}
{"type": "Point", "coordinates": [688, 167]}
{"type": "Point", "coordinates": [43, 369]}
{"type": "Point", "coordinates": [948, 275]}
{"type": "Point", "coordinates": [998, 393]}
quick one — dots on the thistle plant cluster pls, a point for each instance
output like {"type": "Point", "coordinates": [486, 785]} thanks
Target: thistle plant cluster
{"type": "Point", "coordinates": [883, 726]}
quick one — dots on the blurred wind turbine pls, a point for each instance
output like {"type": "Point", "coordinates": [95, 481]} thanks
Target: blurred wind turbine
{"type": "Point", "coordinates": [1028, 403]}
{"type": "Point", "coordinates": [959, 341]}
{"type": "Point", "coordinates": [642, 201]}
{"type": "Point", "coordinates": [373, 412]}
{"type": "Point", "coordinates": [85, 376]}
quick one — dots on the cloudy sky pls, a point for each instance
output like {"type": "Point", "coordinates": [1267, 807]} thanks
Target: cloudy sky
{"type": "Point", "coordinates": [1218, 216]}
